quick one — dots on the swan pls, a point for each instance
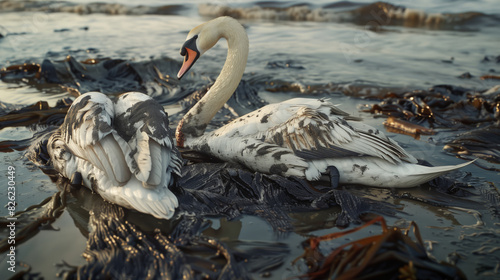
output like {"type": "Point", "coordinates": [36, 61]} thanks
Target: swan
{"type": "Point", "coordinates": [122, 150]}
{"type": "Point", "coordinates": [307, 138]}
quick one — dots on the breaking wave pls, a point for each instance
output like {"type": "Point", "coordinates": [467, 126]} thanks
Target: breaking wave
{"type": "Point", "coordinates": [375, 14]}
{"type": "Point", "coordinates": [86, 8]}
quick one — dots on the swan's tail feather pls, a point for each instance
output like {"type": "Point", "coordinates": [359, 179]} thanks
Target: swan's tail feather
{"type": "Point", "coordinates": [160, 203]}
{"type": "Point", "coordinates": [440, 169]}
{"type": "Point", "coordinates": [425, 174]}
{"type": "Point", "coordinates": [379, 173]}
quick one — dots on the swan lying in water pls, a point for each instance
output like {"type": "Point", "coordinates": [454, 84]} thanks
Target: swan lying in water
{"type": "Point", "coordinates": [121, 150]}
{"type": "Point", "coordinates": [300, 137]}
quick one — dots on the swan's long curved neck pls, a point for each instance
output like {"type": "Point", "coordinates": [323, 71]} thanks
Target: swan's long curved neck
{"type": "Point", "coordinates": [193, 124]}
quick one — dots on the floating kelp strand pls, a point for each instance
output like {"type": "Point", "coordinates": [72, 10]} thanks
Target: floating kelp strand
{"type": "Point", "coordinates": [38, 113]}
{"type": "Point", "coordinates": [441, 106]}
{"type": "Point", "coordinates": [450, 91]}
{"type": "Point", "coordinates": [482, 142]}
{"type": "Point", "coordinates": [407, 127]}
{"type": "Point", "coordinates": [290, 64]}
{"type": "Point", "coordinates": [13, 145]}
{"type": "Point", "coordinates": [26, 70]}
{"type": "Point", "coordinates": [438, 201]}
{"type": "Point", "coordinates": [490, 77]}
{"type": "Point", "coordinates": [421, 108]}
{"type": "Point", "coordinates": [370, 258]}
{"type": "Point", "coordinates": [110, 76]}
{"type": "Point", "coordinates": [486, 250]}
{"type": "Point", "coordinates": [454, 184]}
{"type": "Point", "coordinates": [491, 58]}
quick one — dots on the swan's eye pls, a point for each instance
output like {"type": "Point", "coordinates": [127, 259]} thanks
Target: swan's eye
{"type": "Point", "coordinates": [189, 44]}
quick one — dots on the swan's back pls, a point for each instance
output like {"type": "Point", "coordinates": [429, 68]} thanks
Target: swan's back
{"type": "Point", "coordinates": [314, 129]}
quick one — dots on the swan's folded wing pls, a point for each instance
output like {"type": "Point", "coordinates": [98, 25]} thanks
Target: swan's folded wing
{"type": "Point", "coordinates": [88, 120]}
{"type": "Point", "coordinates": [87, 132]}
{"type": "Point", "coordinates": [319, 133]}
{"type": "Point", "coordinates": [142, 126]}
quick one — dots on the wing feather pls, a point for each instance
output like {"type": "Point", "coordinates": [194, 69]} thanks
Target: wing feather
{"type": "Point", "coordinates": [88, 120]}
{"type": "Point", "coordinates": [113, 141]}
{"type": "Point", "coordinates": [112, 159]}
{"type": "Point", "coordinates": [87, 130]}
{"type": "Point", "coordinates": [157, 170]}
{"type": "Point", "coordinates": [150, 152]}
{"type": "Point", "coordinates": [313, 134]}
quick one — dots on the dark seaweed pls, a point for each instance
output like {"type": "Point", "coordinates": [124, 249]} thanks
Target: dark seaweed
{"type": "Point", "coordinates": [109, 76]}
{"type": "Point", "coordinates": [38, 113]}
{"type": "Point", "coordinates": [443, 106]}
{"type": "Point", "coordinates": [482, 143]}
{"type": "Point", "coordinates": [224, 189]}
{"type": "Point", "coordinates": [114, 241]}
{"type": "Point", "coordinates": [115, 76]}
{"type": "Point", "coordinates": [208, 189]}
{"type": "Point", "coordinates": [153, 249]}
{"type": "Point", "coordinates": [391, 255]}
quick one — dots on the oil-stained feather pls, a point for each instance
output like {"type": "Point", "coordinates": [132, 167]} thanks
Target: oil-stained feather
{"type": "Point", "coordinates": [123, 150]}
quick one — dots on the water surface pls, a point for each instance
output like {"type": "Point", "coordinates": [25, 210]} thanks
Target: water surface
{"type": "Point", "coordinates": [338, 50]}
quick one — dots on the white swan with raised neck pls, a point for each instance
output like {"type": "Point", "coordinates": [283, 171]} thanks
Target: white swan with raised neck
{"type": "Point", "coordinates": [300, 137]}
{"type": "Point", "coordinates": [199, 40]}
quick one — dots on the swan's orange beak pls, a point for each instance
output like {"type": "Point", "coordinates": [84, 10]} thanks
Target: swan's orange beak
{"type": "Point", "coordinates": [190, 57]}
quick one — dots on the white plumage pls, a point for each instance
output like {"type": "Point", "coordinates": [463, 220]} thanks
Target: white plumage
{"type": "Point", "coordinates": [314, 136]}
{"type": "Point", "coordinates": [123, 150]}
{"type": "Point", "coordinates": [299, 137]}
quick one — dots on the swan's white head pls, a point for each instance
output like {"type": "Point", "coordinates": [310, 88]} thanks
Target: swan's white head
{"type": "Point", "coordinates": [202, 38]}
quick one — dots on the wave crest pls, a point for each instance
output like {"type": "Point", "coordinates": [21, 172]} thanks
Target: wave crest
{"type": "Point", "coordinates": [87, 8]}
{"type": "Point", "coordinates": [379, 13]}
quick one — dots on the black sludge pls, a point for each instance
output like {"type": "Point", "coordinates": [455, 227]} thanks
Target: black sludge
{"type": "Point", "coordinates": [224, 189]}
{"type": "Point", "coordinates": [159, 249]}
